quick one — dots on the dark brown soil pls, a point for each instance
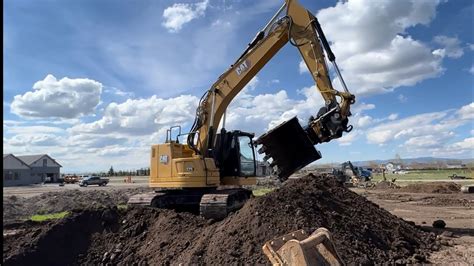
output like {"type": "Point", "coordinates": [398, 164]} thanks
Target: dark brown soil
{"type": "Point", "coordinates": [432, 187]}
{"type": "Point", "coordinates": [363, 233]}
{"type": "Point", "coordinates": [429, 199]}
{"type": "Point", "coordinates": [18, 208]}
{"type": "Point", "coordinates": [385, 185]}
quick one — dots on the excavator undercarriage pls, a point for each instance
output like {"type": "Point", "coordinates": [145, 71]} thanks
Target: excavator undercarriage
{"type": "Point", "coordinates": [211, 203]}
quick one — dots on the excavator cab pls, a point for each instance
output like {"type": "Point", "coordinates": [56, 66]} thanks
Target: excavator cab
{"type": "Point", "coordinates": [234, 153]}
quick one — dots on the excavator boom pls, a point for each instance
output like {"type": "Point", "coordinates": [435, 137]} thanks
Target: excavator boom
{"type": "Point", "coordinates": [290, 146]}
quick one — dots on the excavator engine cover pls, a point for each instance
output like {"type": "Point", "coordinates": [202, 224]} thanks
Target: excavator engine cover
{"type": "Point", "coordinates": [289, 147]}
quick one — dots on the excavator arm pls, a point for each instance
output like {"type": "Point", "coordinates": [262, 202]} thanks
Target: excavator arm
{"type": "Point", "coordinates": [302, 30]}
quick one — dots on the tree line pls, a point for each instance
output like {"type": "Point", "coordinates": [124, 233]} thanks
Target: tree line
{"type": "Point", "coordinates": [138, 172]}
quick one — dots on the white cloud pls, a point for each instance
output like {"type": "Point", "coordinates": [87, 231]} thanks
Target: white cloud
{"type": "Point", "coordinates": [259, 113]}
{"type": "Point", "coordinates": [426, 141]}
{"type": "Point", "coordinates": [65, 98]}
{"type": "Point", "coordinates": [142, 116]}
{"type": "Point", "coordinates": [179, 14]}
{"type": "Point", "coordinates": [451, 46]}
{"type": "Point", "coordinates": [221, 23]}
{"type": "Point", "coordinates": [16, 128]}
{"type": "Point", "coordinates": [252, 84]}
{"type": "Point", "coordinates": [440, 52]}
{"type": "Point", "coordinates": [35, 140]}
{"type": "Point", "coordinates": [402, 98]}
{"type": "Point", "coordinates": [349, 138]}
{"type": "Point", "coordinates": [466, 112]}
{"type": "Point", "coordinates": [426, 134]}
{"type": "Point", "coordinates": [363, 121]}
{"type": "Point", "coordinates": [392, 116]}
{"type": "Point", "coordinates": [370, 42]}
{"type": "Point", "coordinates": [302, 68]}
{"type": "Point", "coordinates": [463, 148]}
{"type": "Point", "coordinates": [360, 107]}
{"type": "Point", "coordinates": [95, 141]}
{"type": "Point", "coordinates": [471, 70]}
{"type": "Point", "coordinates": [118, 92]}
{"type": "Point", "coordinates": [466, 144]}
{"type": "Point", "coordinates": [412, 126]}
{"type": "Point", "coordinates": [127, 129]}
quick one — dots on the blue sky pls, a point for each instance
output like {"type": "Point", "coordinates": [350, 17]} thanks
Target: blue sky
{"type": "Point", "coordinates": [95, 83]}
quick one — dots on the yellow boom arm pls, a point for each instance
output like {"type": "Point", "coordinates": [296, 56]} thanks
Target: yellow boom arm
{"type": "Point", "coordinates": [302, 30]}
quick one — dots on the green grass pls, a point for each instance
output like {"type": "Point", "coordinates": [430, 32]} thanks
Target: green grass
{"type": "Point", "coordinates": [51, 216]}
{"type": "Point", "coordinates": [426, 175]}
{"type": "Point", "coordinates": [261, 191]}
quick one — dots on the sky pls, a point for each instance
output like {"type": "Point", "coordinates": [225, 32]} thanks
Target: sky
{"type": "Point", "coordinates": [95, 83]}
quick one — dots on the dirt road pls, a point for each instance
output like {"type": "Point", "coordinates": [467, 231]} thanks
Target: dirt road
{"type": "Point", "coordinates": [424, 208]}
{"type": "Point", "coordinates": [35, 190]}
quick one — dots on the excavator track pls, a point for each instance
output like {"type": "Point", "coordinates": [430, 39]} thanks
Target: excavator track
{"type": "Point", "coordinates": [219, 204]}
{"type": "Point", "coordinates": [211, 204]}
{"type": "Point", "coordinates": [144, 199]}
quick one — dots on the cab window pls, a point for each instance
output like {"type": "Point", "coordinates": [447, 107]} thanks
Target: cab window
{"type": "Point", "coordinates": [247, 159]}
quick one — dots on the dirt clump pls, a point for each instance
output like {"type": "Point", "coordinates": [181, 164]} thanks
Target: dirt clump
{"type": "Point", "coordinates": [363, 233]}
{"type": "Point", "coordinates": [432, 187]}
{"type": "Point", "coordinates": [439, 224]}
{"type": "Point", "coordinates": [18, 208]}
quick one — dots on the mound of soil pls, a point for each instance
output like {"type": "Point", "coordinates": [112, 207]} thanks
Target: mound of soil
{"type": "Point", "coordinates": [432, 187]}
{"type": "Point", "coordinates": [363, 233]}
{"type": "Point", "coordinates": [18, 208]}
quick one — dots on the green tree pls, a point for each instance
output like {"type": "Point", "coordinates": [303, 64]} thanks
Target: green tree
{"type": "Point", "coordinates": [111, 171]}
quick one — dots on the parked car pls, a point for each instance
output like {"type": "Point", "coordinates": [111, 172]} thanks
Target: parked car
{"type": "Point", "coordinates": [71, 179]}
{"type": "Point", "coordinates": [93, 180]}
{"type": "Point", "coordinates": [455, 176]}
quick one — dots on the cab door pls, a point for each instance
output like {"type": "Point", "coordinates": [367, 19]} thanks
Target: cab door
{"type": "Point", "coordinates": [246, 156]}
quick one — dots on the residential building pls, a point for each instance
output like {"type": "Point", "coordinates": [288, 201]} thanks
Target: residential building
{"type": "Point", "coordinates": [16, 172]}
{"type": "Point", "coordinates": [29, 169]}
{"type": "Point", "coordinates": [392, 167]}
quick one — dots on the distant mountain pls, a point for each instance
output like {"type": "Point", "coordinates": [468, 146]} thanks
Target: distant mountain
{"type": "Point", "coordinates": [424, 160]}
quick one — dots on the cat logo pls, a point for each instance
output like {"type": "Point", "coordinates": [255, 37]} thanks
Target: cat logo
{"type": "Point", "coordinates": [164, 159]}
{"type": "Point", "coordinates": [243, 67]}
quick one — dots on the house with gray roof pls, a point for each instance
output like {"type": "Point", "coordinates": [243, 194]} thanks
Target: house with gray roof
{"type": "Point", "coordinates": [29, 169]}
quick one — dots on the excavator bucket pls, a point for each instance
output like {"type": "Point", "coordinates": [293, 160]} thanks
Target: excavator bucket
{"type": "Point", "coordinates": [297, 248]}
{"type": "Point", "coordinates": [289, 147]}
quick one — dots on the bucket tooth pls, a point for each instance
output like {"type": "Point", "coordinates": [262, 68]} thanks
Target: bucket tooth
{"type": "Point", "coordinates": [289, 146]}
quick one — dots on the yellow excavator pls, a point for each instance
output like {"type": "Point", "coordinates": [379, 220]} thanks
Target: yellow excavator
{"type": "Point", "coordinates": [206, 173]}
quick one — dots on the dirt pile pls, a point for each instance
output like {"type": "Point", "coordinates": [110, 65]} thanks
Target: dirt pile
{"type": "Point", "coordinates": [432, 187]}
{"type": "Point", "coordinates": [17, 208]}
{"type": "Point", "coordinates": [363, 232]}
